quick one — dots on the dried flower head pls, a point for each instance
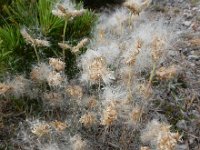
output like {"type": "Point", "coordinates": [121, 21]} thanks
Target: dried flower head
{"type": "Point", "coordinates": [58, 125]}
{"type": "Point", "coordinates": [4, 88]}
{"type": "Point", "coordinates": [77, 13]}
{"type": "Point", "coordinates": [67, 13]}
{"type": "Point", "coordinates": [97, 68]}
{"type": "Point", "coordinates": [195, 42]}
{"type": "Point", "coordinates": [166, 73]}
{"type": "Point", "coordinates": [109, 115]}
{"type": "Point", "coordinates": [88, 119]}
{"type": "Point", "coordinates": [57, 64]}
{"type": "Point", "coordinates": [32, 41]}
{"type": "Point", "coordinates": [53, 98]}
{"type": "Point", "coordinates": [167, 140]}
{"type": "Point", "coordinates": [58, 13]}
{"type": "Point", "coordinates": [92, 102]}
{"type": "Point", "coordinates": [136, 6]}
{"type": "Point", "coordinates": [145, 148]}
{"type": "Point", "coordinates": [132, 58]}
{"type": "Point", "coordinates": [41, 43]}
{"type": "Point", "coordinates": [157, 47]}
{"type": "Point", "coordinates": [75, 91]}
{"type": "Point", "coordinates": [55, 79]}
{"type": "Point", "coordinates": [80, 45]}
{"type": "Point", "coordinates": [27, 36]}
{"type": "Point", "coordinates": [20, 86]}
{"type": "Point", "coordinates": [159, 135]}
{"type": "Point", "coordinates": [40, 129]}
{"type": "Point", "coordinates": [77, 143]}
{"type": "Point", "coordinates": [136, 114]}
{"type": "Point", "coordinates": [64, 46]}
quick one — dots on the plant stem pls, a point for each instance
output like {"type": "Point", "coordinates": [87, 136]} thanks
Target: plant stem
{"type": "Point", "coordinates": [152, 75]}
{"type": "Point", "coordinates": [36, 53]}
{"type": "Point", "coordinates": [130, 76]}
{"type": "Point", "coordinates": [64, 31]}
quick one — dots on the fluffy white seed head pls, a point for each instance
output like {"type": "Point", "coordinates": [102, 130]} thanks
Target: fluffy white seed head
{"type": "Point", "coordinates": [95, 68]}
{"type": "Point", "coordinates": [77, 143]}
{"type": "Point", "coordinates": [53, 98]}
{"type": "Point", "coordinates": [159, 135]}
{"type": "Point", "coordinates": [40, 128]}
{"type": "Point", "coordinates": [55, 79]}
{"type": "Point", "coordinates": [40, 72]}
{"type": "Point", "coordinates": [88, 119]}
{"type": "Point", "coordinates": [20, 86]}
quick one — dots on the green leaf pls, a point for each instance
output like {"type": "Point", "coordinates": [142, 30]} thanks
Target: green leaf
{"type": "Point", "coordinates": [48, 22]}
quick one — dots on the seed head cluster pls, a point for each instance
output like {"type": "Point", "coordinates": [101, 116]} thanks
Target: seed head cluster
{"type": "Point", "coordinates": [111, 98]}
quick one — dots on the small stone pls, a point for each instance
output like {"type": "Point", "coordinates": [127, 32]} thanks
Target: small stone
{"type": "Point", "coordinates": [180, 1]}
{"type": "Point", "coordinates": [191, 140]}
{"type": "Point", "coordinates": [193, 57]}
{"type": "Point", "coordinates": [194, 9]}
{"type": "Point", "coordinates": [182, 124]}
{"type": "Point", "coordinates": [192, 65]}
{"type": "Point", "coordinates": [196, 113]}
{"type": "Point", "coordinates": [182, 147]}
{"type": "Point", "coordinates": [187, 23]}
